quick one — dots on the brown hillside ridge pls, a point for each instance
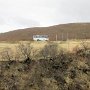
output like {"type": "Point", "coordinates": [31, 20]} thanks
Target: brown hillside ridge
{"type": "Point", "coordinates": [63, 31]}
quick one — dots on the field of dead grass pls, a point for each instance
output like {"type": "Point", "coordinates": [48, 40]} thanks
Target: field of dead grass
{"type": "Point", "coordinates": [68, 45]}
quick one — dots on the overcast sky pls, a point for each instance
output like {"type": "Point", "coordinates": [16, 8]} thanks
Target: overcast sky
{"type": "Point", "coordinates": [16, 14]}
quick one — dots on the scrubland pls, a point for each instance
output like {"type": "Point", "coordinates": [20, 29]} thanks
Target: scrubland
{"type": "Point", "coordinates": [45, 65]}
{"type": "Point", "coordinates": [69, 45]}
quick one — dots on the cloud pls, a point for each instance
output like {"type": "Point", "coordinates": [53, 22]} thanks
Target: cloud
{"type": "Point", "coordinates": [12, 23]}
{"type": "Point", "coordinates": [22, 22]}
{"type": "Point", "coordinates": [30, 13]}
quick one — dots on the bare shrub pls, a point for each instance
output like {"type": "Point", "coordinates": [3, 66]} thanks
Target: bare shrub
{"type": "Point", "coordinates": [49, 51]}
{"type": "Point", "coordinates": [17, 55]}
{"type": "Point", "coordinates": [35, 54]}
{"type": "Point", "coordinates": [83, 50]}
{"type": "Point", "coordinates": [25, 50]}
{"type": "Point", "coordinates": [7, 54]}
{"type": "Point", "coordinates": [85, 45]}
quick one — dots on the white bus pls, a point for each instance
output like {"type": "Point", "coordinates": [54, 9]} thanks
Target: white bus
{"type": "Point", "coordinates": [40, 37]}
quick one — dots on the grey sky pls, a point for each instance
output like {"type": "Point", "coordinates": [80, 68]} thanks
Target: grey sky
{"type": "Point", "coordinates": [16, 14]}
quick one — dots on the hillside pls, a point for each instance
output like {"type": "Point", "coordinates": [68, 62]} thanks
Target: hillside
{"type": "Point", "coordinates": [72, 31]}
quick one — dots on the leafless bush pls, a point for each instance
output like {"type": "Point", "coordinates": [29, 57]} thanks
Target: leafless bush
{"type": "Point", "coordinates": [85, 45]}
{"type": "Point", "coordinates": [25, 50]}
{"type": "Point", "coordinates": [17, 55]}
{"type": "Point", "coordinates": [83, 50]}
{"type": "Point", "coordinates": [7, 54]}
{"type": "Point", "coordinates": [49, 51]}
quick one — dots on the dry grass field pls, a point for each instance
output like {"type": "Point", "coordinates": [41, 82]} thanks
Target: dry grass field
{"type": "Point", "coordinates": [68, 45]}
{"type": "Point", "coordinates": [37, 46]}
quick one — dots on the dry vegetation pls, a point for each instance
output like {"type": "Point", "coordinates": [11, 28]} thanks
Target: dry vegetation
{"type": "Point", "coordinates": [37, 46]}
{"type": "Point", "coordinates": [61, 65]}
{"type": "Point", "coordinates": [50, 69]}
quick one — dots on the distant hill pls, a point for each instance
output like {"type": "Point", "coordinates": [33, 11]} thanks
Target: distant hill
{"type": "Point", "coordinates": [63, 31]}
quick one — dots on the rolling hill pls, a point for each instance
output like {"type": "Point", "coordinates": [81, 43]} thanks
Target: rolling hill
{"type": "Point", "coordinates": [63, 31]}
